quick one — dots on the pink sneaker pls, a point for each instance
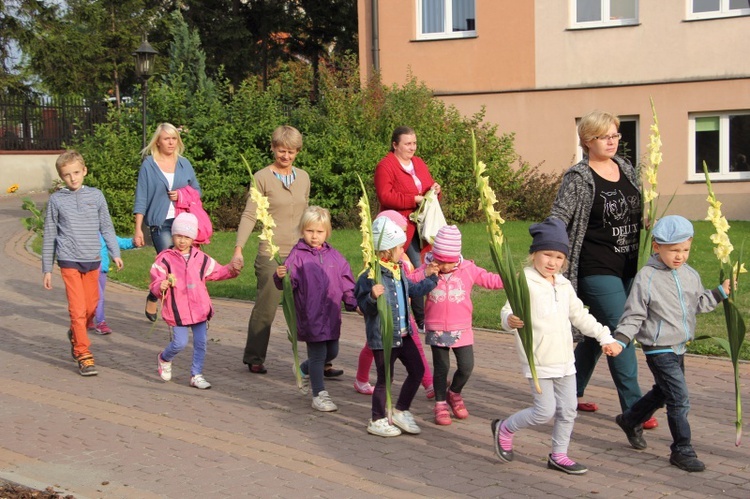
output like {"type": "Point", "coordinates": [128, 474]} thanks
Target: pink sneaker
{"type": "Point", "coordinates": [457, 404]}
{"type": "Point", "coordinates": [103, 328]}
{"type": "Point", "coordinates": [364, 388]}
{"type": "Point", "coordinates": [90, 326]}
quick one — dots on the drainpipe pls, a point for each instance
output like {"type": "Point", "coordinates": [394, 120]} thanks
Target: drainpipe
{"type": "Point", "coordinates": [375, 37]}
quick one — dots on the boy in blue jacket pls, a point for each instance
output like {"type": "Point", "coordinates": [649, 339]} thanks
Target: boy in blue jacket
{"type": "Point", "coordinates": [660, 313]}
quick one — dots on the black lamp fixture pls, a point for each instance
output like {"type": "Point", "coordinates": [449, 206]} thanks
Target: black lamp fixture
{"type": "Point", "coordinates": [145, 56]}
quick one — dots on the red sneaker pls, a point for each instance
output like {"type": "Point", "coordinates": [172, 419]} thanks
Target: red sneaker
{"type": "Point", "coordinates": [650, 424]}
{"type": "Point", "coordinates": [587, 407]}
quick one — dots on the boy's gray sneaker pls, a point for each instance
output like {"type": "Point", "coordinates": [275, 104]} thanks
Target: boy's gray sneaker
{"type": "Point", "coordinates": [86, 366]}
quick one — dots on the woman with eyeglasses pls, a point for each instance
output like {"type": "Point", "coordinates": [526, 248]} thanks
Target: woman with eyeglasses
{"type": "Point", "coordinates": [599, 201]}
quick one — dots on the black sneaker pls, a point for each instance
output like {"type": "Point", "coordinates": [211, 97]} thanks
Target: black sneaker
{"type": "Point", "coordinates": [504, 455]}
{"type": "Point", "coordinates": [573, 469]}
{"type": "Point", "coordinates": [687, 463]}
{"type": "Point", "coordinates": [635, 435]}
{"type": "Point", "coordinates": [330, 372]}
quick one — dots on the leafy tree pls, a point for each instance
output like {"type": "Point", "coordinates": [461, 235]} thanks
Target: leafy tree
{"type": "Point", "coordinates": [185, 52]}
{"type": "Point", "coordinates": [245, 37]}
{"type": "Point", "coordinates": [322, 29]}
{"type": "Point", "coordinates": [16, 17]}
{"type": "Point", "coordinates": [86, 48]}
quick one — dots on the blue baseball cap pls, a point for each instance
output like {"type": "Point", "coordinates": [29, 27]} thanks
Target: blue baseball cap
{"type": "Point", "coordinates": [672, 229]}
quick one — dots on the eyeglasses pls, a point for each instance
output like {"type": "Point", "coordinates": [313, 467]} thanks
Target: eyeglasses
{"type": "Point", "coordinates": [607, 138]}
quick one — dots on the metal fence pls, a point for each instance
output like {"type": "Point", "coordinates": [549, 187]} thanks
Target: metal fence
{"type": "Point", "coordinates": [46, 123]}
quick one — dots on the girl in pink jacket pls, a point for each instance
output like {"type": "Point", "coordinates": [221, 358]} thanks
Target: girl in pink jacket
{"type": "Point", "coordinates": [179, 276]}
{"type": "Point", "coordinates": [447, 321]}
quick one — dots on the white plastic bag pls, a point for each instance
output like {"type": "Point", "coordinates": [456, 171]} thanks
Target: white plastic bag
{"type": "Point", "coordinates": [428, 217]}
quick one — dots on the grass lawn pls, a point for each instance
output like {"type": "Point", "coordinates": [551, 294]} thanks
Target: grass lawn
{"type": "Point", "coordinates": [487, 303]}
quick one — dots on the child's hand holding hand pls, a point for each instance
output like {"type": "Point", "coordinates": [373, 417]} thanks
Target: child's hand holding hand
{"type": "Point", "coordinates": [431, 269]}
{"type": "Point", "coordinates": [376, 291]}
{"type": "Point", "coordinates": [612, 349]}
{"type": "Point", "coordinates": [281, 271]}
{"type": "Point", "coordinates": [515, 322]}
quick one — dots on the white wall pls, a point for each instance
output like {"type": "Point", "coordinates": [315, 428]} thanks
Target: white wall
{"type": "Point", "coordinates": [32, 172]}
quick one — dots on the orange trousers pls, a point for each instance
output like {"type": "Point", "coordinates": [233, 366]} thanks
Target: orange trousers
{"type": "Point", "coordinates": [82, 290]}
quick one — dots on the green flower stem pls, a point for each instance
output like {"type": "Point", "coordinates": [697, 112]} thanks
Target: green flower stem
{"type": "Point", "coordinates": [514, 282]}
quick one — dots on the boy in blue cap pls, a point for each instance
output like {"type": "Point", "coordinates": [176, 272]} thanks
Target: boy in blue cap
{"type": "Point", "coordinates": [660, 313]}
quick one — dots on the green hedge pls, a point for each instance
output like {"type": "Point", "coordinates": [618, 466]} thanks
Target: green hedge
{"type": "Point", "coordinates": [346, 133]}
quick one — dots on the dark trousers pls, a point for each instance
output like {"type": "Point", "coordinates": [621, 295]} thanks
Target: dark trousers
{"type": "Point", "coordinates": [415, 257]}
{"type": "Point", "coordinates": [605, 296]}
{"type": "Point", "coordinates": [319, 353]}
{"type": "Point", "coordinates": [669, 388]}
{"type": "Point", "coordinates": [441, 362]}
{"type": "Point", "coordinates": [408, 354]}
{"type": "Point", "coordinates": [162, 239]}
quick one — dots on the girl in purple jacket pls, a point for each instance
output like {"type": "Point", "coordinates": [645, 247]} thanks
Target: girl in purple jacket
{"type": "Point", "coordinates": [447, 321]}
{"type": "Point", "coordinates": [321, 280]}
{"type": "Point", "coordinates": [179, 277]}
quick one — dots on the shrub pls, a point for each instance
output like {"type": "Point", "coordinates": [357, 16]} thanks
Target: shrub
{"type": "Point", "coordinates": [346, 133]}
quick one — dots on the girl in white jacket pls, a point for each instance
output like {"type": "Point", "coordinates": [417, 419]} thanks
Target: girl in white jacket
{"type": "Point", "coordinates": [554, 308]}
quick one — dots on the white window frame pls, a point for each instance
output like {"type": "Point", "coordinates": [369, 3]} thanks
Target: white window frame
{"type": "Point", "coordinates": [605, 21]}
{"type": "Point", "coordinates": [447, 32]}
{"type": "Point", "coordinates": [724, 11]}
{"type": "Point", "coordinates": [724, 159]}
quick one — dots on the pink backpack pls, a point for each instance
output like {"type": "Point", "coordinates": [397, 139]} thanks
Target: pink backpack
{"type": "Point", "coordinates": [189, 200]}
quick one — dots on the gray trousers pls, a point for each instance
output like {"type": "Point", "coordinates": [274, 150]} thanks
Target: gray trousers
{"type": "Point", "coordinates": [558, 400]}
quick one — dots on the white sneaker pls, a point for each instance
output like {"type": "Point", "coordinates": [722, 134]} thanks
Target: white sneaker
{"type": "Point", "coordinates": [304, 387]}
{"type": "Point", "coordinates": [164, 368]}
{"type": "Point", "coordinates": [382, 428]}
{"type": "Point", "coordinates": [200, 382]}
{"type": "Point", "coordinates": [405, 421]}
{"type": "Point", "coordinates": [323, 402]}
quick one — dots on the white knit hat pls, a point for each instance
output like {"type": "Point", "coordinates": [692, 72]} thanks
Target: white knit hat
{"type": "Point", "coordinates": [185, 224]}
{"type": "Point", "coordinates": [386, 234]}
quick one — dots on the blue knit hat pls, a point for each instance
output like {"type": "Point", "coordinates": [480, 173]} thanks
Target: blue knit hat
{"type": "Point", "coordinates": [672, 229]}
{"type": "Point", "coordinates": [549, 235]}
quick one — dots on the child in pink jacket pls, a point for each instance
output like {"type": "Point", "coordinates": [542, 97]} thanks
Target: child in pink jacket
{"type": "Point", "coordinates": [179, 277]}
{"type": "Point", "coordinates": [447, 320]}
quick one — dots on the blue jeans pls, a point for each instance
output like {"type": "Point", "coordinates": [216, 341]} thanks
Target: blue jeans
{"type": "Point", "coordinates": [669, 388]}
{"type": "Point", "coordinates": [161, 236]}
{"type": "Point", "coordinates": [179, 342]}
{"type": "Point", "coordinates": [606, 295]}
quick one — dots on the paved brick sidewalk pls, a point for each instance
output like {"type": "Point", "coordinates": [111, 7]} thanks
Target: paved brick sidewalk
{"type": "Point", "coordinates": [125, 433]}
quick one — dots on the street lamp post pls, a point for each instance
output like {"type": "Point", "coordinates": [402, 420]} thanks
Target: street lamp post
{"type": "Point", "coordinates": [145, 57]}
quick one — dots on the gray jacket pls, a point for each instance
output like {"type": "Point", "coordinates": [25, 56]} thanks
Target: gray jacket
{"type": "Point", "coordinates": [662, 305]}
{"type": "Point", "coordinates": [573, 203]}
